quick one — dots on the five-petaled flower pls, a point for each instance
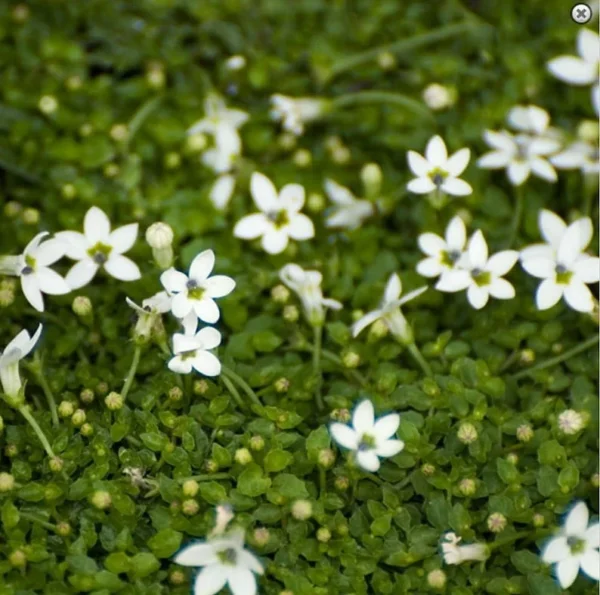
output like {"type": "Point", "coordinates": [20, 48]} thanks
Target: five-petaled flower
{"type": "Point", "coordinates": [280, 217]}
{"type": "Point", "coordinates": [15, 351]}
{"type": "Point", "coordinates": [443, 254]}
{"type": "Point", "coordinates": [389, 311]}
{"type": "Point", "coordinates": [225, 561]}
{"type": "Point", "coordinates": [575, 547]}
{"type": "Point", "coordinates": [192, 352]}
{"type": "Point", "coordinates": [479, 275]}
{"type": "Point", "coordinates": [348, 211]}
{"type": "Point", "coordinates": [197, 291]}
{"type": "Point", "coordinates": [369, 439]}
{"type": "Point", "coordinates": [438, 172]}
{"type": "Point", "coordinates": [99, 247]}
{"type": "Point", "coordinates": [562, 263]}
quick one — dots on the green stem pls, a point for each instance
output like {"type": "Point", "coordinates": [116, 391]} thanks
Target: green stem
{"type": "Point", "coordinates": [590, 191]}
{"type": "Point", "coordinates": [416, 354]}
{"type": "Point", "coordinates": [132, 370]}
{"type": "Point", "coordinates": [559, 358]}
{"type": "Point", "coordinates": [333, 358]}
{"type": "Point", "coordinates": [207, 477]}
{"type": "Point", "coordinates": [234, 391]}
{"type": "Point", "coordinates": [517, 215]}
{"type": "Point", "coordinates": [322, 482]}
{"type": "Point", "coordinates": [140, 117]}
{"type": "Point", "coordinates": [508, 539]}
{"type": "Point", "coordinates": [316, 363]}
{"type": "Point", "coordinates": [242, 384]}
{"type": "Point", "coordinates": [41, 378]}
{"type": "Point", "coordinates": [36, 428]}
{"type": "Point", "coordinates": [384, 97]}
{"type": "Point", "coordinates": [31, 517]}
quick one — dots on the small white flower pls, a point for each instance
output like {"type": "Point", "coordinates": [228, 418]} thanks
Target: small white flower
{"type": "Point", "coordinates": [437, 171]}
{"type": "Point", "coordinates": [479, 275]}
{"type": "Point", "coordinates": [581, 70]}
{"type": "Point", "coordinates": [150, 312]}
{"type": "Point", "coordinates": [563, 265]}
{"type": "Point", "coordinates": [98, 247]}
{"type": "Point", "coordinates": [192, 352]}
{"type": "Point", "coordinates": [389, 311]}
{"type": "Point", "coordinates": [15, 351]}
{"type": "Point", "coordinates": [236, 62]}
{"type": "Point", "coordinates": [349, 212]}
{"type": "Point", "coordinates": [457, 554]}
{"type": "Point", "coordinates": [295, 112]}
{"type": "Point", "coordinates": [197, 291]}
{"type": "Point", "coordinates": [437, 97]}
{"type": "Point", "coordinates": [575, 547]}
{"type": "Point", "coordinates": [580, 155]}
{"type": "Point", "coordinates": [280, 217]}
{"type": "Point", "coordinates": [443, 254]}
{"type": "Point", "coordinates": [570, 422]}
{"type": "Point", "coordinates": [225, 561]}
{"type": "Point", "coordinates": [307, 284]}
{"type": "Point", "coordinates": [33, 269]}
{"type": "Point", "coordinates": [370, 439]}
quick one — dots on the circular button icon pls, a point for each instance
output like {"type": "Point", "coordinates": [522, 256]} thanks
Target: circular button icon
{"type": "Point", "coordinates": [581, 13]}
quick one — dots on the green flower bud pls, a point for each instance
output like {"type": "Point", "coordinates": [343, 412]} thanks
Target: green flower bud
{"type": "Point", "coordinates": [63, 529]}
{"type": "Point", "coordinates": [326, 458]}
{"type": "Point", "coordinates": [101, 500]}
{"type": "Point", "coordinates": [48, 104]}
{"type": "Point", "coordinates": [7, 482]}
{"type": "Point", "coordinates": [17, 559]}
{"type": "Point", "coordinates": [30, 216]}
{"type": "Point", "coordinates": [78, 418]}
{"type": "Point", "coordinates": [341, 483]}
{"type": "Point", "coordinates": [291, 313]}
{"type": "Point", "coordinates": [56, 464]}
{"type": "Point", "coordinates": [467, 433]}
{"type": "Point", "coordinates": [211, 466]}
{"type": "Point", "coordinates": [256, 443]}
{"type": "Point", "coordinates": [12, 209]}
{"type": "Point", "coordinates": [372, 177]}
{"type": "Point", "coordinates": [86, 430]}
{"type": "Point", "coordinates": [160, 238]}
{"type": "Point", "coordinates": [512, 458]}
{"type": "Point", "coordinates": [595, 480]}
{"type": "Point", "coordinates": [243, 456]}
{"type": "Point", "coordinates": [427, 469]}
{"type": "Point", "coordinates": [323, 534]}
{"type": "Point", "coordinates": [302, 158]}
{"type": "Point", "coordinates": [386, 60]}
{"type": "Point", "coordinates": [302, 510]}
{"type": "Point", "coordinates": [101, 389]}
{"type": "Point", "coordinates": [281, 385]}
{"type": "Point", "coordinates": [190, 488]}
{"type": "Point", "coordinates": [66, 409]}
{"type": "Point", "coordinates": [20, 13]}
{"type": "Point", "coordinates": [201, 387]}
{"type": "Point", "coordinates": [315, 202]}
{"type": "Point", "coordinates": [177, 577]}
{"type": "Point", "coordinates": [7, 298]}
{"type": "Point", "coordinates": [175, 394]}
{"type": "Point", "coordinates": [114, 401]}
{"type": "Point", "coordinates": [467, 487]}
{"type": "Point", "coordinates": [82, 306]}
{"type": "Point", "coordinates": [119, 132]}
{"type": "Point", "coordinates": [11, 450]}
{"type": "Point", "coordinates": [172, 160]}
{"type": "Point", "coordinates": [538, 520]}
{"type": "Point", "coordinates": [87, 396]}
{"type": "Point", "coordinates": [526, 357]}
{"type": "Point", "coordinates": [280, 294]}
{"type": "Point", "coordinates": [351, 359]}
{"type": "Point", "coordinates": [524, 433]}
{"type": "Point", "coordinates": [496, 522]}
{"type": "Point", "coordinates": [196, 143]}
{"type": "Point", "coordinates": [261, 536]}
{"type": "Point", "coordinates": [436, 579]}
{"type": "Point", "coordinates": [190, 507]}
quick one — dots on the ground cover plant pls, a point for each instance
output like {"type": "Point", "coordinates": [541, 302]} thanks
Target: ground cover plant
{"type": "Point", "coordinates": [298, 298]}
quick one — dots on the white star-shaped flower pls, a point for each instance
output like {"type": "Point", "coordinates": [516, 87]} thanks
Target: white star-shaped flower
{"type": "Point", "coordinates": [563, 265]}
{"type": "Point", "coordinates": [192, 352]}
{"type": "Point", "coordinates": [437, 171]}
{"type": "Point", "coordinates": [389, 311]}
{"type": "Point", "coordinates": [33, 268]}
{"type": "Point", "coordinates": [225, 561]}
{"type": "Point", "coordinates": [307, 285]}
{"type": "Point", "coordinates": [280, 218]}
{"type": "Point", "coordinates": [580, 155]}
{"type": "Point", "coordinates": [443, 254]}
{"type": "Point", "coordinates": [197, 292]}
{"type": "Point", "coordinates": [99, 247]}
{"type": "Point", "coordinates": [453, 553]}
{"type": "Point", "coordinates": [369, 439]}
{"type": "Point", "coordinates": [575, 547]}
{"type": "Point", "coordinates": [479, 275]}
{"type": "Point", "coordinates": [294, 113]}
{"type": "Point", "coordinates": [348, 212]}
{"type": "Point", "coordinates": [582, 70]}
{"type": "Point", "coordinates": [149, 313]}
{"type": "Point", "coordinates": [15, 351]}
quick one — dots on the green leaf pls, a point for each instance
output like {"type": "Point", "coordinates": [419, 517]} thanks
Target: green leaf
{"type": "Point", "coordinates": [381, 525]}
{"type": "Point", "coordinates": [252, 482]}
{"type": "Point", "coordinates": [32, 492]}
{"type": "Point", "coordinates": [10, 515]}
{"type": "Point", "coordinates": [82, 565]}
{"type": "Point", "coordinates": [290, 486]}
{"type": "Point", "coordinates": [552, 453]}
{"type": "Point", "coordinates": [277, 460]}
{"type": "Point", "coordinates": [143, 564]}
{"type": "Point", "coordinates": [165, 543]}
{"type": "Point", "coordinates": [213, 492]}
{"type": "Point", "coordinates": [117, 562]}
{"type": "Point", "coordinates": [526, 561]}
{"type": "Point", "coordinates": [154, 440]}
{"type": "Point", "coordinates": [221, 455]}
{"type": "Point", "coordinates": [507, 471]}
{"type": "Point", "coordinates": [266, 341]}
{"type": "Point", "coordinates": [568, 478]}
{"type": "Point", "coordinates": [317, 441]}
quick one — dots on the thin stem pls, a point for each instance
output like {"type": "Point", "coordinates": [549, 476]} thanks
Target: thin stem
{"type": "Point", "coordinates": [41, 378]}
{"type": "Point", "coordinates": [31, 517]}
{"type": "Point", "coordinates": [36, 428]}
{"type": "Point", "coordinates": [132, 370]}
{"type": "Point", "coordinates": [416, 354]}
{"type": "Point", "coordinates": [590, 191]}
{"type": "Point", "coordinates": [559, 358]}
{"type": "Point", "coordinates": [508, 539]}
{"type": "Point", "coordinates": [206, 477]}
{"type": "Point", "coordinates": [384, 97]}
{"type": "Point", "coordinates": [242, 384]}
{"type": "Point", "coordinates": [234, 391]}
{"type": "Point", "coordinates": [322, 482]}
{"type": "Point", "coordinates": [316, 362]}
{"type": "Point", "coordinates": [518, 213]}
{"type": "Point", "coordinates": [333, 358]}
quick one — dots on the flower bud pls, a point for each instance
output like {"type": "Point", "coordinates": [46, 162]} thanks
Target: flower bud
{"type": "Point", "coordinates": [114, 401]}
{"type": "Point", "coordinates": [86, 430]}
{"type": "Point", "coordinates": [190, 488]}
{"type": "Point", "coordinates": [341, 483]}
{"type": "Point", "coordinates": [175, 394]}
{"type": "Point", "coordinates": [201, 387]}
{"type": "Point", "coordinates": [437, 97]}
{"type": "Point", "coordinates": [172, 160]}
{"type": "Point", "coordinates": [372, 177]}
{"type": "Point", "coordinates": [302, 510]}
{"type": "Point", "coordinates": [30, 216]}
{"type": "Point", "coordinates": [595, 480]}
{"type": "Point", "coordinates": [82, 306]}
{"type": "Point", "coordinates": [526, 357]}
{"type": "Point", "coordinates": [570, 422]}
{"type": "Point", "coordinates": [538, 520]}
{"type": "Point", "coordinates": [467, 433]}
{"type": "Point", "coordinates": [512, 457]}
{"type": "Point", "coordinates": [243, 456]}
{"type": "Point", "coordinates": [351, 359]}
{"type": "Point", "coordinates": [378, 330]}
{"type": "Point", "coordinates": [386, 60]}
{"type": "Point", "coordinates": [87, 396]}
{"type": "Point", "coordinates": [302, 158]}
{"type": "Point", "coordinates": [63, 529]}
{"type": "Point", "coordinates": [588, 131]}
{"type": "Point", "coordinates": [323, 534]}
{"type": "Point", "coordinates": [190, 507]}
{"type": "Point", "coordinates": [291, 313]}
{"type": "Point", "coordinates": [56, 464]}
{"type": "Point", "coordinates": [427, 469]}
{"type": "Point", "coordinates": [496, 522]}
{"type": "Point", "coordinates": [17, 559]}
{"type": "Point", "coordinates": [287, 141]}
{"type": "Point", "coordinates": [281, 385]}
{"type": "Point", "coordinates": [341, 155]}
{"type": "Point", "coordinates": [66, 409]}
{"type": "Point", "coordinates": [196, 143]}
{"type": "Point", "coordinates": [524, 433]}
{"type": "Point", "coordinates": [20, 13]}
{"type": "Point", "coordinates": [261, 536]}
{"type": "Point", "coordinates": [326, 458]}
{"type": "Point", "coordinates": [7, 298]}
{"type": "Point", "coordinates": [78, 418]}
{"type": "Point", "coordinates": [160, 238]}
{"type": "Point", "coordinates": [48, 104]}
{"type": "Point", "coordinates": [467, 487]}
{"type": "Point", "coordinates": [119, 132]}
{"type": "Point", "coordinates": [341, 415]}
{"type": "Point", "coordinates": [101, 499]}
{"type": "Point", "coordinates": [177, 577]}
{"type": "Point", "coordinates": [315, 202]}
{"type": "Point", "coordinates": [7, 482]}
{"type": "Point", "coordinates": [11, 450]}
{"type": "Point", "coordinates": [280, 294]}
{"type": "Point", "coordinates": [12, 209]}
{"type": "Point", "coordinates": [211, 466]}
{"type": "Point", "coordinates": [436, 579]}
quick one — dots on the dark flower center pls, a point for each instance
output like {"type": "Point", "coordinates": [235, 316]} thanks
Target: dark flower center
{"type": "Point", "coordinates": [367, 442]}
{"type": "Point", "coordinates": [576, 544]}
{"type": "Point", "coordinates": [481, 277]}
{"type": "Point", "coordinates": [563, 274]}
{"type": "Point", "coordinates": [279, 218]}
{"type": "Point", "coordinates": [99, 253]}
{"type": "Point", "coordinates": [100, 258]}
{"type": "Point", "coordinates": [229, 556]}
{"type": "Point", "coordinates": [26, 270]}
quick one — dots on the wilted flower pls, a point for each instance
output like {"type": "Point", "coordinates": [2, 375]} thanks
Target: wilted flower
{"type": "Point", "coordinates": [349, 212]}
{"type": "Point", "coordinates": [149, 313]}
{"type": "Point", "coordinates": [457, 554]}
{"type": "Point", "coordinates": [192, 352]}
{"type": "Point", "coordinates": [295, 112]}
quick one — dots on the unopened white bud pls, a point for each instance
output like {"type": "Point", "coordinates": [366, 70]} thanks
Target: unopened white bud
{"type": "Point", "coordinates": [438, 97]}
{"type": "Point", "coordinates": [160, 238]}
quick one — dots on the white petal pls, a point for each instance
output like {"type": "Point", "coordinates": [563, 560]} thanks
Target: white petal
{"type": "Point", "coordinates": [588, 45]}
{"type": "Point", "coordinates": [458, 162]}
{"type": "Point", "coordinates": [50, 251]}
{"type": "Point", "coordinates": [421, 186]}
{"type": "Point", "coordinates": [344, 436]}
{"type": "Point", "coordinates": [159, 302]}
{"type": "Point", "coordinates": [199, 554]}
{"type": "Point", "coordinates": [584, 233]}
{"type": "Point", "coordinates": [393, 288]}
{"type": "Point", "coordinates": [338, 194]}
{"type": "Point", "coordinates": [206, 309]}
{"type": "Point", "coordinates": [365, 321]}
{"type": "Point", "coordinates": [386, 426]}
{"type": "Point", "coordinates": [96, 226]}
{"type": "Point", "coordinates": [181, 305]}
{"type": "Point", "coordinates": [389, 448]}
{"type": "Point", "coordinates": [477, 250]}
{"type": "Point", "coordinates": [435, 152]}
{"type": "Point", "coordinates": [556, 550]}
{"type": "Point", "coordinates": [206, 363]}
{"type": "Point", "coordinates": [588, 269]}
{"type": "Point", "coordinates": [574, 240]}
{"type": "Point", "coordinates": [456, 234]}
{"type": "Point", "coordinates": [301, 227]}
{"type": "Point", "coordinates": [51, 282]}
{"type": "Point", "coordinates": [579, 297]}
{"type": "Point", "coordinates": [542, 147]}
{"type": "Point", "coordinates": [572, 70]}
{"type": "Point", "coordinates": [81, 273]}
{"type": "Point", "coordinates": [135, 307]}
{"type": "Point", "coordinates": [411, 295]}
{"type": "Point", "coordinates": [252, 226]}
{"type": "Point", "coordinates": [456, 187]}
{"type": "Point", "coordinates": [221, 191]}
{"type": "Point", "coordinates": [363, 417]}
{"type": "Point", "coordinates": [566, 572]}
{"type": "Point", "coordinates": [185, 343]}
{"type": "Point", "coordinates": [241, 581]}
{"type": "Point", "coordinates": [568, 159]}
{"type": "Point", "coordinates": [291, 197]}
{"type": "Point", "coordinates": [210, 580]}
{"type": "Point", "coordinates": [494, 160]}
{"type": "Point", "coordinates": [430, 267]}
{"type": "Point", "coordinates": [219, 286]}
{"type": "Point", "coordinates": [542, 268]}
{"type": "Point", "coordinates": [174, 281]}
{"type": "Point", "coordinates": [502, 141]}
{"type": "Point", "coordinates": [538, 251]}
{"type": "Point", "coordinates": [418, 164]}
{"type": "Point", "coordinates": [478, 296]}
{"type": "Point", "coordinates": [179, 365]}
{"type": "Point", "coordinates": [189, 323]}
{"type": "Point", "coordinates": [77, 244]}
{"type": "Point", "coordinates": [500, 263]}
{"type": "Point", "coordinates": [592, 535]}
{"type": "Point", "coordinates": [368, 460]}
{"type": "Point", "coordinates": [274, 241]}
{"type": "Point", "coordinates": [333, 304]}
{"type": "Point", "coordinates": [122, 268]}
{"type": "Point", "coordinates": [249, 560]}
{"type": "Point", "coordinates": [431, 244]}
{"type": "Point", "coordinates": [518, 172]}
{"type": "Point", "coordinates": [501, 289]}
{"type": "Point", "coordinates": [19, 347]}
{"type": "Point", "coordinates": [33, 244]}
{"type": "Point", "coordinates": [596, 99]}
{"type": "Point", "coordinates": [552, 227]}
{"type": "Point", "coordinates": [209, 337]}
{"type": "Point", "coordinates": [541, 168]}
{"type": "Point", "coordinates": [202, 265]}
{"type": "Point", "coordinates": [454, 280]}
{"type": "Point", "coordinates": [123, 238]}
{"type": "Point", "coordinates": [264, 193]}
{"type": "Point", "coordinates": [548, 294]}
{"type": "Point", "coordinates": [31, 290]}
{"type": "Point", "coordinates": [590, 564]}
